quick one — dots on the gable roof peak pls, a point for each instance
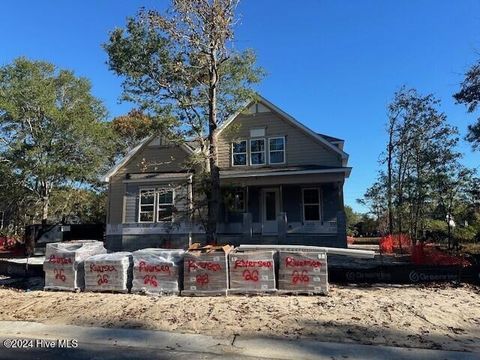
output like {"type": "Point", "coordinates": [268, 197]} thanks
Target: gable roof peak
{"type": "Point", "coordinates": [260, 99]}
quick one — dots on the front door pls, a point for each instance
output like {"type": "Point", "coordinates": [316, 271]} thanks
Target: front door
{"type": "Point", "coordinates": [270, 210]}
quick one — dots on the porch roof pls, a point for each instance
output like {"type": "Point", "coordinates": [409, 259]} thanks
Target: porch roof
{"type": "Point", "coordinates": [141, 177]}
{"type": "Point", "coordinates": [284, 171]}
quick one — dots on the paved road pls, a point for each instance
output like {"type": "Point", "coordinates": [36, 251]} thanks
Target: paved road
{"type": "Point", "coordinates": [109, 352]}
{"type": "Point", "coordinates": [101, 343]}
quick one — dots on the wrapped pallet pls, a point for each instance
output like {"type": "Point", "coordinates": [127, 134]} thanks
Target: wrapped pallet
{"type": "Point", "coordinates": [64, 263]}
{"type": "Point", "coordinates": [109, 272]}
{"type": "Point", "coordinates": [205, 270]}
{"type": "Point", "coordinates": [303, 272]}
{"type": "Point", "coordinates": [252, 272]}
{"type": "Point", "coordinates": [157, 271]}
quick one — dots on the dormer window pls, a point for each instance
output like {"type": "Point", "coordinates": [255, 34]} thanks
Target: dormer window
{"type": "Point", "coordinates": [257, 151]}
{"type": "Point", "coordinates": [239, 153]}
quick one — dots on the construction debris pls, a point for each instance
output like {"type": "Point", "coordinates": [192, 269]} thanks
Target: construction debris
{"type": "Point", "coordinates": [157, 271]}
{"type": "Point", "coordinates": [109, 272]}
{"type": "Point", "coordinates": [64, 263]}
{"type": "Point", "coordinates": [206, 270]}
{"type": "Point", "coordinates": [252, 272]}
{"type": "Point", "coordinates": [303, 272]}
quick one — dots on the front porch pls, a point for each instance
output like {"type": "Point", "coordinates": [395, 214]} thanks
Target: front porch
{"type": "Point", "coordinates": [304, 213]}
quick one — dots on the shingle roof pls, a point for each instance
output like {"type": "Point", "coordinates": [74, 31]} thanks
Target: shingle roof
{"type": "Point", "coordinates": [330, 138]}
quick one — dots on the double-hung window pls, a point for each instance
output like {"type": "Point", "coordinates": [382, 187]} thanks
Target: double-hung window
{"type": "Point", "coordinates": [147, 206]}
{"type": "Point", "coordinates": [257, 151]}
{"type": "Point", "coordinates": [164, 205]}
{"type": "Point", "coordinates": [276, 150]}
{"type": "Point", "coordinates": [155, 205]}
{"type": "Point", "coordinates": [239, 153]}
{"type": "Point", "coordinates": [311, 204]}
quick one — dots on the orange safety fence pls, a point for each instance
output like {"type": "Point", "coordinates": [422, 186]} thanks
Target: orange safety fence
{"type": "Point", "coordinates": [420, 254]}
{"type": "Point", "coordinates": [391, 243]}
{"type": "Point", "coordinates": [428, 254]}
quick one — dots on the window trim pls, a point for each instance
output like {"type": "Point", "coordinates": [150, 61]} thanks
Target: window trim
{"type": "Point", "coordinates": [257, 152]}
{"type": "Point", "coordinates": [319, 205]}
{"type": "Point", "coordinates": [172, 204]}
{"type": "Point", "coordinates": [246, 152]}
{"type": "Point", "coordinates": [140, 190]}
{"type": "Point", "coordinates": [155, 205]}
{"type": "Point", "coordinates": [284, 150]}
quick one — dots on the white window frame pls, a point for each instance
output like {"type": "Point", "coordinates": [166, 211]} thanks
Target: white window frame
{"type": "Point", "coordinates": [140, 190]}
{"type": "Point", "coordinates": [257, 152]}
{"type": "Point", "coordinates": [246, 152]}
{"type": "Point", "coordinates": [284, 150]}
{"type": "Point", "coordinates": [157, 200]}
{"type": "Point", "coordinates": [319, 205]}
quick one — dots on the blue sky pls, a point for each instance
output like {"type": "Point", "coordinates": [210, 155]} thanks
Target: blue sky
{"type": "Point", "coordinates": [333, 65]}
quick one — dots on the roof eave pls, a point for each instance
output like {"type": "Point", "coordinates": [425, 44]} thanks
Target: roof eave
{"type": "Point", "coordinates": [345, 170]}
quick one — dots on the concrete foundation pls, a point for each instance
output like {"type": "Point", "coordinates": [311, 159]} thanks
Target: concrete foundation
{"type": "Point", "coordinates": [182, 241]}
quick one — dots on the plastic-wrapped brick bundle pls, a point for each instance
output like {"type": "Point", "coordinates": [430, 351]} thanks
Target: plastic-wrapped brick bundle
{"type": "Point", "coordinates": [303, 272]}
{"type": "Point", "coordinates": [252, 272]}
{"type": "Point", "coordinates": [206, 270]}
{"type": "Point", "coordinates": [157, 271]}
{"type": "Point", "coordinates": [63, 264]}
{"type": "Point", "coordinates": [109, 272]}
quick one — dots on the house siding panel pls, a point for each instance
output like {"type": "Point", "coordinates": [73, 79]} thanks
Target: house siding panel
{"type": "Point", "coordinates": [254, 197]}
{"type": "Point", "coordinates": [132, 198]}
{"type": "Point", "coordinates": [301, 148]}
{"type": "Point", "coordinates": [157, 158]}
{"type": "Point", "coordinates": [117, 189]}
{"type": "Point", "coordinates": [131, 203]}
{"type": "Point", "coordinates": [292, 203]}
{"type": "Point", "coordinates": [330, 201]}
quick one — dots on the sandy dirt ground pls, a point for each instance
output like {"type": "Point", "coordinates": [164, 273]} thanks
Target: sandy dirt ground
{"type": "Point", "coordinates": [437, 316]}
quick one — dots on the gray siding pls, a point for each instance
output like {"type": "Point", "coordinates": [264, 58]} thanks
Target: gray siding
{"type": "Point", "coordinates": [151, 158]}
{"type": "Point", "coordinates": [254, 196]}
{"type": "Point", "coordinates": [133, 193]}
{"type": "Point", "coordinates": [301, 148]}
{"type": "Point", "coordinates": [331, 202]}
{"type": "Point", "coordinates": [131, 203]}
{"type": "Point", "coordinates": [292, 202]}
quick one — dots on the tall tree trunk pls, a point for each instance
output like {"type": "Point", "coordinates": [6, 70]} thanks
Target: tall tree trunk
{"type": "Point", "coordinates": [45, 201]}
{"type": "Point", "coordinates": [399, 209]}
{"type": "Point", "coordinates": [389, 179]}
{"type": "Point", "coordinates": [449, 232]}
{"type": "Point", "coordinates": [214, 199]}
